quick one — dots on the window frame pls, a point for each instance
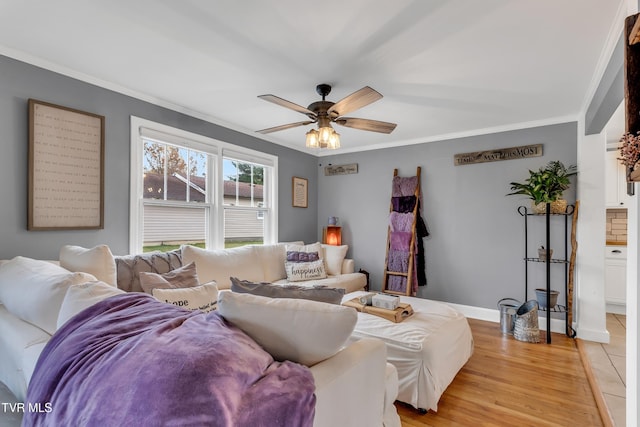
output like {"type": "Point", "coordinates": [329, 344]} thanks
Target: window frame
{"type": "Point", "coordinates": [142, 129]}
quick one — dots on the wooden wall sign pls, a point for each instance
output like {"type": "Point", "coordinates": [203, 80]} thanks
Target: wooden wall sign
{"type": "Point", "coordinates": [340, 169]}
{"type": "Point", "coordinates": [496, 155]}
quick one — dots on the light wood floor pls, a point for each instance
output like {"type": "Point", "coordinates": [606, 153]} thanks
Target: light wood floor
{"type": "Point", "coordinates": [511, 383]}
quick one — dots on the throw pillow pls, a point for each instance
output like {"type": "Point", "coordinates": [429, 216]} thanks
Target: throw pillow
{"type": "Point", "coordinates": [183, 277]}
{"type": "Point", "coordinates": [221, 264]}
{"type": "Point", "coordinates": [333, 257]}
{"type": "Point", "coordinates": [313, 247]}
{"type": "Point", "coordinates": [293, 256]}
{"type": "Point", "coordinates": [33, 290]}
{"type": "Point", "coordinates": [301, 331]}
{"type": "Point", "coordinates": [84, 295]}
{"type": "Point", "coordinates": [203, 297]}
{"type": "Point", "coordinates": [316, 293]}
{"type": "Point", "coordinates": [301, 271]}
{"type": "Point", "coordinates": [97, 261]}
{"type": "Point", "coordinates": [130, 266]}
{"type": "Point", "coordinates": [272, 258]}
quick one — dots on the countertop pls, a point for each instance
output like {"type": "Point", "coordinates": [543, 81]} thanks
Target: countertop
{"type": "Point", "coordinates": [615, 243]}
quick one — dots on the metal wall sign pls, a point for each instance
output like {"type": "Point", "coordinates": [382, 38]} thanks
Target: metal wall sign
{"type": "Point", "coordinates": [341, 169]}
{"type": "Point", "coordinates": [496, 155]}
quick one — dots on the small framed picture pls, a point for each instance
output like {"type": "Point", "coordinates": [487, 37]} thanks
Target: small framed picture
{"type": "Point", "coordinates": [299, 192]}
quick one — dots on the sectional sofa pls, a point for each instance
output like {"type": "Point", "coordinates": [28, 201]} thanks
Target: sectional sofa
{"type": "Point", "coordinates": [353, 386]}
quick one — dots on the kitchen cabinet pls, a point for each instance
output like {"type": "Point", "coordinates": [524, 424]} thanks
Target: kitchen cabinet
{"type": "Point", "coordinates": [615, 279]}
{"type": "Point", "coordinates": [615, 181]}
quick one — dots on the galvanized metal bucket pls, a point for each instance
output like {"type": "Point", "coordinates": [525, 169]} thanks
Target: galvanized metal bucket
{"type": "Point", "coordinates": [526, 322]}
{"type": "Point", "coordinates": [508, 308]}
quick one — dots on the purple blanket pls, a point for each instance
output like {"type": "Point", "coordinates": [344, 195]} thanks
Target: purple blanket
{"type": "Point", "coordinates": [131, 360]}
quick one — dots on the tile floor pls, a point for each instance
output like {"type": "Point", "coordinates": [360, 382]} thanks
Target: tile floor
{"type": "Point", "coordinates": [608, 364]}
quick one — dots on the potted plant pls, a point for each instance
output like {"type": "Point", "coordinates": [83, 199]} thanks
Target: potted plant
{"type": "Point", "coordinates": [546, 185]}
{"type": "Point", "coordinates": [630, 155]}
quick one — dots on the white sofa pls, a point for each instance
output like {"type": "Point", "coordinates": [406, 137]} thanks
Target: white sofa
{"type": "Point", "coordinates": [266, 263]}
{"type": "Point", "coordinates": [354, 387]}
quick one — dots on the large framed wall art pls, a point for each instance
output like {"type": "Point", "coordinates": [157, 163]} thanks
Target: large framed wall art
{"type": "Point", "coordinates": [66, 168]}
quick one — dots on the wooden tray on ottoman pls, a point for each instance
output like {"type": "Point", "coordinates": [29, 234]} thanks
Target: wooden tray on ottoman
{"type": "Point", "coordinates": [396, 316]}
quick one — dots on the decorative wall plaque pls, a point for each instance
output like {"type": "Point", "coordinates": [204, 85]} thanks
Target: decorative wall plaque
{"type": "Point", "coordinates": [341, 169]}
{"type": "Point", "coordinates": [496, 155]}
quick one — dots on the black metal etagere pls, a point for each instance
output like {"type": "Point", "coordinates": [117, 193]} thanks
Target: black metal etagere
{"type": "Point", "coordinates": [522, 210]}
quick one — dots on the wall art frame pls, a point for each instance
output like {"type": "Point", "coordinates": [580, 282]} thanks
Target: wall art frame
{"type": "Point", "coordinates": [66, 168]}
{"type": "Point", "coordinates": [299, 192]}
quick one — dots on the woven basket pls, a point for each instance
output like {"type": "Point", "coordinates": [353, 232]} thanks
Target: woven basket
{"type": "Point", "coordinates": [557, 207]}
{"type": "Point", "coordinates": [526, 323]}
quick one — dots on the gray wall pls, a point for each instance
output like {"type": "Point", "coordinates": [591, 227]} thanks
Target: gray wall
{"type": "Point", "coordinates": [20, 81]}
{"type": "Point", "coordinates": [474, 255]}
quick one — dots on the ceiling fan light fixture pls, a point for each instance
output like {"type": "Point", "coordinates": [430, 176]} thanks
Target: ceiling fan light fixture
{"type": "Point", "coordinates": [324, 133]}
{"type": "Point", "coordinates": [334, 141]}
{"type": "Point", "coordinates": [324, 112]}
{"type": "Point", "coordinates": [312, 139]}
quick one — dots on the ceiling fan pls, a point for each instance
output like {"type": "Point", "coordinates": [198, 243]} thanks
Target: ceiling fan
{"type": "Point", "coordinates": [325, 112]}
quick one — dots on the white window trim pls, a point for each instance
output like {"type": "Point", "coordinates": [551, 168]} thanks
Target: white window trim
{"type": "Point", "coordinates": [219, 149]}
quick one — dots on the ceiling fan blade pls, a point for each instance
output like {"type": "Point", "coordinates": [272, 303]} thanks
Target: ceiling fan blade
{"type": "Point", "coordinates": [283, 127]}
{"type": "Point", "coordinates": [287, 104]}
{"type": "Point", "coordinates": [356, 100]}
{"type": "Point", "coordinates": [366, 124]}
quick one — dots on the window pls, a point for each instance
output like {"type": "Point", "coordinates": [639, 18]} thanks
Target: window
{"type": "Point", "coordinates": [190, 189]}
{"type": "Point", "coordinates": [244, 202]}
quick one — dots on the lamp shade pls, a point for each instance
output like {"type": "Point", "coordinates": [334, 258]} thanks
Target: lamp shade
{"type": "Point", "coordinates": [332, 235]}
{"type": "Point", "coordinates": [312, 139]}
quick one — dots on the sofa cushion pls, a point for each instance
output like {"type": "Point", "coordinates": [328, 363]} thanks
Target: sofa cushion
{"type": "Point", "coordinates": [183, 277]}
{"type": "Point", "coordinates": [333, 257]}
{"type": "Point", "coordinates": [33, 290]}
{"type": "Point", "coordinates": [220, 265]}
{"type": "Point", "coordinates": [303, 271]}
{"type": "Point", "coordinates": [314, 293]}
{"type": "Point", "coordinates": [17, 338]}
{"type": "Point", "coordinates": [203, 297]}
{"type": "Point", "coordinates": [130, 266]}
{"type": "Point", "coordinates": [272, 258]}
{"type": "Point", "coordinates": [97, 261]}
{"type": "Point", "coordinates": [84, 295]}
{"type": "Point", "coordinates": [302, 331]}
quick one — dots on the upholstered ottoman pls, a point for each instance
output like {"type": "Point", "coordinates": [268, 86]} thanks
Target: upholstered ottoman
{"type": "Point", "coordinates": [427, 349]}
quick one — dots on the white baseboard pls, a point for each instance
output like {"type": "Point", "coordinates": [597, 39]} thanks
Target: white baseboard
{"type": "Point", "coordinates": [616, 308]}
{"type": "Point", "coordinates": [593, 335]}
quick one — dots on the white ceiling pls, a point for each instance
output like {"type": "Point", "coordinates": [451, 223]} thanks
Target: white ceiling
{"type": "Point", "coordinates": [446, 68]}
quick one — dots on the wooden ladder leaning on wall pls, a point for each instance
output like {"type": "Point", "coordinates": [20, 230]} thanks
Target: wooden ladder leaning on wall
{"type": "Point", "coordinates": [409, 274]}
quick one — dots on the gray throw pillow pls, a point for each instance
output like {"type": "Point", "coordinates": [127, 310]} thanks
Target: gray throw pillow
{"type": "Point", "coordinates": [183, 277]}
{"type": "Point", "coordinates": [129, 267]}
{"type": "Point", "coordinates": [316, 293]}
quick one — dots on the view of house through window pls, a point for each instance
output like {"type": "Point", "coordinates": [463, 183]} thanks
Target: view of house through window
{"type": "Point", "coordinates": [191, 189]}
{"type": "Point", "coordinates": [175, 195]}
{"type": "Point", "coordinates": [244, 203]}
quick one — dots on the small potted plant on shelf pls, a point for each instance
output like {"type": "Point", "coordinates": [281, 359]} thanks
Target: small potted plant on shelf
{"type": "Point", "coordinates": [546, 185]}
{"type": "Point", "coordinates": [630, 155]}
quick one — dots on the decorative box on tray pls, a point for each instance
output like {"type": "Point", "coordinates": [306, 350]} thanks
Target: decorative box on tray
{"type": "Point", "coordinates": [398, 315]}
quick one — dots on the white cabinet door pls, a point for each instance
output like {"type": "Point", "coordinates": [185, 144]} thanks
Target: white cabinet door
{"type": "Point", "coordinates": [611, 179]}
{"type": "Point", "coordinates": [615, 275]}
{"type": "Point", "coordinates": [615, 181]}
